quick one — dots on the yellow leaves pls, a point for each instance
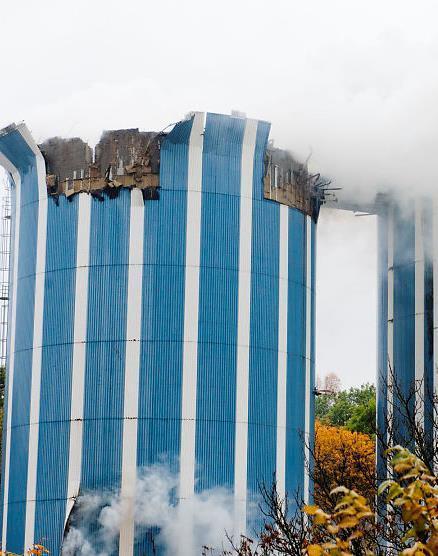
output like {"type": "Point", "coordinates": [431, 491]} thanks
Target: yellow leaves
{"type": "Point", "coordinates": [319, 517]}
{"type": "Point", "coordinates": [310, 509]}
{"type": "Point", "coordinates": [342, 457]}
{"type": "Point", "coordinates": [348, 522]}
{"type": "Point", "coordinates": [344, 525]}
{"type": "Point", "coordinates": [417, 549]}
{"type": "Point", "coordinates": [415, 494]}
{"type": "Point", "coordinates": [314, 550]}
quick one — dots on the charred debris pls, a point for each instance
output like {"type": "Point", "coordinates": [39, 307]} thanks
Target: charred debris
{"type": "Point", "coordinates": [122, 158]}
{"type": "Point", "coordinates": [131, 158]}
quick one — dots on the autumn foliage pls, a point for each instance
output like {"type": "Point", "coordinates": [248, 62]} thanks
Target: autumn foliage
{"type": "Point", "coordinates": [414, 491]}
{"type": "Point", "coordinates": [342, 457]}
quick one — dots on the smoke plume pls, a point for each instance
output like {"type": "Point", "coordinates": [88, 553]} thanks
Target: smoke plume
{"type": "Point", "coordinates": [98, 517]}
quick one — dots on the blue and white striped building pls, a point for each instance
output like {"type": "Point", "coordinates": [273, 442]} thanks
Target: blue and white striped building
{"type": "Point", "coordinates": [407, 342]}
{"type": "Point", "coordinates": [180, 329]}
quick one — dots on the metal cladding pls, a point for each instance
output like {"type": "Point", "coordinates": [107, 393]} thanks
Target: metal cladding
{"type": "Point", "coordinates": [178, 329]}
{"type": "Point", "coordinates": [407, 349]}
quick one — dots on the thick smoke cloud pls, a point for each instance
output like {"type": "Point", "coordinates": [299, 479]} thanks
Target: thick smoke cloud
{"type": "Point", "coordinates": [353, 82]}
{"type": "Point", "coordinates": [98, 517]}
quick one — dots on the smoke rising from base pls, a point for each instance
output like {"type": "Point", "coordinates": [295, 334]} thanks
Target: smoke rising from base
{"type": "Point", "coordinates": [98, 517]}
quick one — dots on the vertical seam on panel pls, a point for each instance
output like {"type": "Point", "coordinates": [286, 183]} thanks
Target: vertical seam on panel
{"type": "Point", "coordinates": [307, 392]}
{"type": "Point", "coordinates": [243, 326]}
{"type": "Point", "coordinates": [132, 372]}
{"type": "Point", "coordinates": [79, 350]}
{"type": "Point", "coordinates": [282, 351]}
{"type": "Point", "coordinates": [17, 181]}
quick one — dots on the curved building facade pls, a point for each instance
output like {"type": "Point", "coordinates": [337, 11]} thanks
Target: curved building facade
{"type": "Point", "coordinates": [178, 329]}
{"type": "Point", "coordinates": [407, 352]}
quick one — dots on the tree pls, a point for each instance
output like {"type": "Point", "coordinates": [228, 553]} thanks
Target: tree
{"type": "Point", "coordinates": [363, 418]}
{"type": "Point", "coordinates": [353, 408]}
{"type": "Point", "coordinates": [410, 419]}
{"type": "Point", "coordinates": [341, 457]}
{"type": "Point", "coordinates": [350, 528]}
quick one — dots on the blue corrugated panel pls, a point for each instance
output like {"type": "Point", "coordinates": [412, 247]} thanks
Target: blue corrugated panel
{"type": "Point", "coordinates": [263, 362]}
{"type": "Point", "coordinates": [174, 157]}
{"type": "Point", "coordinates": [218, 301]}
{"type": "Point", "coordinates": [263, 129]}
{"type": "Point", "coordinates": [312, 324]}
{"type": "Point", "coordinates": [22, 157]}
{"type": "Point", "coordinates": [404, 312]}
{"type": "Point", "coordinates": [428, 322]}
{"type": "Point", "coordinates": [382, 332]}
{"type": "Point", "coordinates": [8, 352]}
{"type": "Point", "coordinates": [296, 352]}
{"type": "Point", "coordinates": [159, 410]}
{"type": "Point", "coordinates": [162, 329]}
{"type": "Point", "coordinates": [106, 337]}
{"type": "Point", "coordinates": [222, 153]}
{"type": "Point", "coordinates": [56, 368]}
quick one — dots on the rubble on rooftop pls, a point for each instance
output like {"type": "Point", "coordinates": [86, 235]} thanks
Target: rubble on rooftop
{"type": "Point", "coordinates": [122, 158]}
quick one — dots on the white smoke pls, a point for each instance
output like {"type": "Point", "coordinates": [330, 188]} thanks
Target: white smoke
{"type": "Point", "coordinates": [99, 516]}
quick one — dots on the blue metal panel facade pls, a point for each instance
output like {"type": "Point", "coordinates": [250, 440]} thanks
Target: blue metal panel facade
{"type": "Point", "coordinates": [14, 147]}
{"type": "Point", "coordinates": [218, 301]}
{"type": "Point", "coordinates": [57, 352]}
{"type": "Point", "coordinates": [163, 309]}
{"type": "Point", "coordinates": [405, 324]}
{"type": "Point", "coordinates": [382, 334]}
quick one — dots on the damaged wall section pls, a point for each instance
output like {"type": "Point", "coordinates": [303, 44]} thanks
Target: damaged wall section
{"type": "Point", "coordinates": [290, 183]}
{"type": "Point", "coordinates": [122, 158]}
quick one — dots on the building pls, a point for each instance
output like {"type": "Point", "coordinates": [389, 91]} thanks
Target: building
{"type": "Point", "coordinates": [162, 306]}
{"type": "Point", "coordinates": [407, 344]}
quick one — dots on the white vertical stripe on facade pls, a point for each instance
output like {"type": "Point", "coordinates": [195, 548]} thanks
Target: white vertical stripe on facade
{"type": "Point", "coordinates": [12, 331]}
{"type": "Point", "coordinates": [419, 310]}
{"type": "Point", "coordinates": [132, 372]}
{"type": "Point", "coordinates": [39, 159]}
{"type": "Point", "coordinates": [36, 358]}
{"type": "Point", "coordinates": [308, 385]}
{"type": "Point", "coordinates": [243, 325]}
{"type": "Point", "coordinates": [282, 351]}
{"type": "Point", "coordinates": [390, 364]}
{"type": "Point", "coordinates": [191, 312]}
{"type": "Point", "coordinates": [79, 338]}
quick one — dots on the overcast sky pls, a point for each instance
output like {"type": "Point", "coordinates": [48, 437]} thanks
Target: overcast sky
{"type": "Point", "coordinates": [353, 82]}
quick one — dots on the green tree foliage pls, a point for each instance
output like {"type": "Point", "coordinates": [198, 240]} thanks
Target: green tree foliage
{"type": "Point", "coordinates": [354, 409]}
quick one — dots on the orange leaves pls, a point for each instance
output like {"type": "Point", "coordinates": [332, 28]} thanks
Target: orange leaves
{"type": "Point", "coordinates": [344, 458]}
{"type": "Point", "coordinates": [413, 491]}
{"type": "Point", "coordinates": [38, 550]}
